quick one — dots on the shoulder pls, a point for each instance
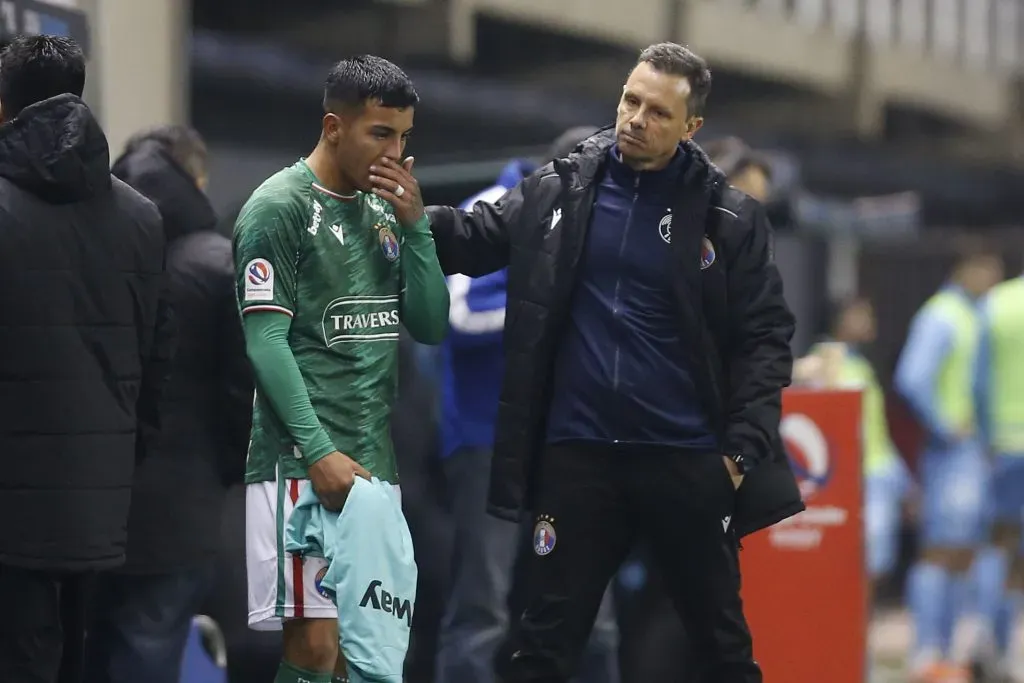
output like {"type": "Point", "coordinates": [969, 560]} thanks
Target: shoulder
{"type": "Point", "coordinates": [489, 196]}
{"type": "Point", "coordinates": [285, 196]}
{"type": "Point", "coordinates": [128, 199]}
{"type": "Point", "coordinates": [736, 220]}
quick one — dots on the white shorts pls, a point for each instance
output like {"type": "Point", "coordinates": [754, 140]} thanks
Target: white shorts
{"type": "Point", "coordinates": [281, 585]}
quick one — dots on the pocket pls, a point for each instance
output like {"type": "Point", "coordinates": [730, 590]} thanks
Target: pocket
{"type": "Point", "coordinates": [725, 479]}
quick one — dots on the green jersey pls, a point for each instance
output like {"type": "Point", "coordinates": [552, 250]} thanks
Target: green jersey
{"type": "Point", "coordinates": [332, 263]}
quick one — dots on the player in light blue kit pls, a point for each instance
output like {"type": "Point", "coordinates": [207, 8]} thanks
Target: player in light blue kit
{"type": "Point", "coordinates": [934, 375]}
{"type": "Point", "coordinates": [999, 396]}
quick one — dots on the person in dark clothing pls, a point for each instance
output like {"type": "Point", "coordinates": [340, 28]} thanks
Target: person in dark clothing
{"type": "Point", "coordinates": [145, 609]}
{"type": "Point", "coordinates": [83, 355]}
{"type": "Point", "coordinates": [482, 562]}
{"type": "Point", "coordinates": [647, 344]}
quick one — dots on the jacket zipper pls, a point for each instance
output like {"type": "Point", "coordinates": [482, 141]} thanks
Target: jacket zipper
{"type": "Point", "coordinates": [616, 303]}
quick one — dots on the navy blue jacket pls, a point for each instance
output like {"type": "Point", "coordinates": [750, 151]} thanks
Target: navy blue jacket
{"type": "Point", "coordinates": [623, 375]}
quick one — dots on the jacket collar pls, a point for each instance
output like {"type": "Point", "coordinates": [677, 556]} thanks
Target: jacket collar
{"type": "Point", "coordinates": [586, 163]}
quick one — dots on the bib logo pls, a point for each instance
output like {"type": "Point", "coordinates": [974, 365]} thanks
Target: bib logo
{"type": "Point", "coordinates": [361, 319]}
{"type": "Point", "coordinates": [387, 603]}
{"type": "Point", "coordinates": [808, 453]}
{"type": "Point", "coordinates": [388, 243]}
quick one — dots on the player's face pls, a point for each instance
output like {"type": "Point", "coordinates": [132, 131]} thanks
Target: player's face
{"type": "Point", "coordinates": [653, 117]}
{"type": "Point", "coordinates": [367, 135]}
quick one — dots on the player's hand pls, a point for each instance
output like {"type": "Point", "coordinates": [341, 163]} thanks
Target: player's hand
{"type": "Point", "coordinates": [332, 478]}
{"type": "Point", "coordinates": [734, 471]}
{"type": "Point", "coordinates": [394, 182]}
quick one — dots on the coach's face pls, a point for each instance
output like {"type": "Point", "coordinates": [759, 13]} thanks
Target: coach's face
{"type": "Point", "coordinates": [653, 117]}
{"type": "Point", "coordinates": [365, 135]}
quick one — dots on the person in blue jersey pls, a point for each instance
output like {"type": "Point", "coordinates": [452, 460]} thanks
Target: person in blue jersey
{"type": "Point", "coordinates": [934, 376]}
{"type": "Point", "coordinates": [484, 555]}
{"type": "Point", "coordinates": [999, 398]}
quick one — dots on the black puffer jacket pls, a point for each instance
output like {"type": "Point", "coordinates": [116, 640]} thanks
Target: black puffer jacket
{"type": "Point", "coordinates": [206, 407]}
{"type": "Point", "coordinates": [84, 339]}
{"type": "Point", "coordinates": [732, 317]}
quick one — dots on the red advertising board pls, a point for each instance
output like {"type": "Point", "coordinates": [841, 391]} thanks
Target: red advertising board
{"type": "Point", "coordinates": [804, 580]}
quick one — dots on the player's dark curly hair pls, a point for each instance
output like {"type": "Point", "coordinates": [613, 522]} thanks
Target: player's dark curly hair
{"type": "Point", "coordinates": [352, 82]}
{"type": "Point", "coordinates": [36, 68]}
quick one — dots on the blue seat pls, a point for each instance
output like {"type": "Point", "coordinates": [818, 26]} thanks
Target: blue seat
{"type": "Point", "coordinates": [204, 660]}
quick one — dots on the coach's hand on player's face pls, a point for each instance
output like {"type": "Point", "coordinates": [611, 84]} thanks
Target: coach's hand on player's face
{"type": "Point", "coordinates": [333, 476]}
{"type": "Point", "coordinates": [395, 183]}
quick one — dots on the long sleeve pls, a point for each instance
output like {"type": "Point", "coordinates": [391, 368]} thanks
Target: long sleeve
{"type": "Point", "coordinates": [981, 386]}
{"type": "Point", "coordinates": [156, 367]}
{"type": "Point", "coordinates": [916, 377]}
{"type": "Point", "coordinates": [476, 242]}
{"type": "Point", "coordinates": [424, 300]}
{"type": "Point", "coordinates": [279, 380]}
{"type": "Point", "coordinates": [477, 315]}
{"type": "Point", "coordinates": [761, 362]}
{"type": "Point", "coordinates": [235, 381]}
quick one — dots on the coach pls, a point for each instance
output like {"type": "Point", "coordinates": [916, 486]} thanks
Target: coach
{"type": "Point", "coordinates": [647, 345]}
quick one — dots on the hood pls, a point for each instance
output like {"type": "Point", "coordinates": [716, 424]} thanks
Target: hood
{"type": "Point", "coordinates": [56, 150]}
{"type": "Point", "coordinates": [150, 170]}
{"type": "Point", "coordinates": [515, 171]}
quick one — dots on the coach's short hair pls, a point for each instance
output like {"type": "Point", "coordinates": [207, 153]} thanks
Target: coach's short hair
{"type": "Point", "coordinates": [676, 60]}
{"type": "Point", "coordinates": [352, 82]}
{"type": "Point", "coordinates": [36, 68]}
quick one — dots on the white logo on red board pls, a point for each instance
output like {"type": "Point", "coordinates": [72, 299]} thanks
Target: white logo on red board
{"type": "Point", "coordinates": [808, 453]}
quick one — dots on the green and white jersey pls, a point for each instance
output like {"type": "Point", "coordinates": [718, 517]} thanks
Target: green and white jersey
{"type": "Point", "coordinates": [333, 264]}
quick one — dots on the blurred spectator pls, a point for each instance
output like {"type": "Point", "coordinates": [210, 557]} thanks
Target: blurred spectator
{"type": "Point", "coordinates": [85, 344]}
{"type": "Point", "coordinates": [999, 398]}
{"type": "Point", "coordinates": [747, 170]}
{"type": "Point", "coordinates": [934, 376]}
{"type": "Point", "coordinates": [477, 617]}
{"type": "Point", "coordinates": [146, 607]}
{"type": "Point", "coordinates": [642, 385]}
{"type": "Point", "coordinates": [838, 362]}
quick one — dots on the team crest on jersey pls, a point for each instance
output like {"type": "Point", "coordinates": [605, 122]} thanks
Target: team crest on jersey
{"type": "Point", "coordinates": [544, 537]}
{"type": "Point", "coordinates": [319, 581]}
{"type": "Point", "coordinates": [388, 242]}
{"type": "Point", "coordinates": [665, 228]}
{"type": "Point", "coordinates": [707, 253]}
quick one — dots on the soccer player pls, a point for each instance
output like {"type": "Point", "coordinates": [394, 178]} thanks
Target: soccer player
{"type": "Point", "coordinates": [934, 376]}
{"type": "Point", "coordinates": [328, 269]}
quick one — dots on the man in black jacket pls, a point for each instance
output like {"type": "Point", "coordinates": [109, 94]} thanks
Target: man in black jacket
{"type": "Point", "coordinates": [647, 346]}
{"type": "Point", "coordinates": [83, 353]}
{"type": "Point", "coordinates": [145, 609]}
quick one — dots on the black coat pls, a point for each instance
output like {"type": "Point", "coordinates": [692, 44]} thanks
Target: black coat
{"type": "Point", "coordinates": [85, 338]}
{"type": "Point", "coordinates": [206, 406]}
{"type": "Point", "coordinates": [732, 316]}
